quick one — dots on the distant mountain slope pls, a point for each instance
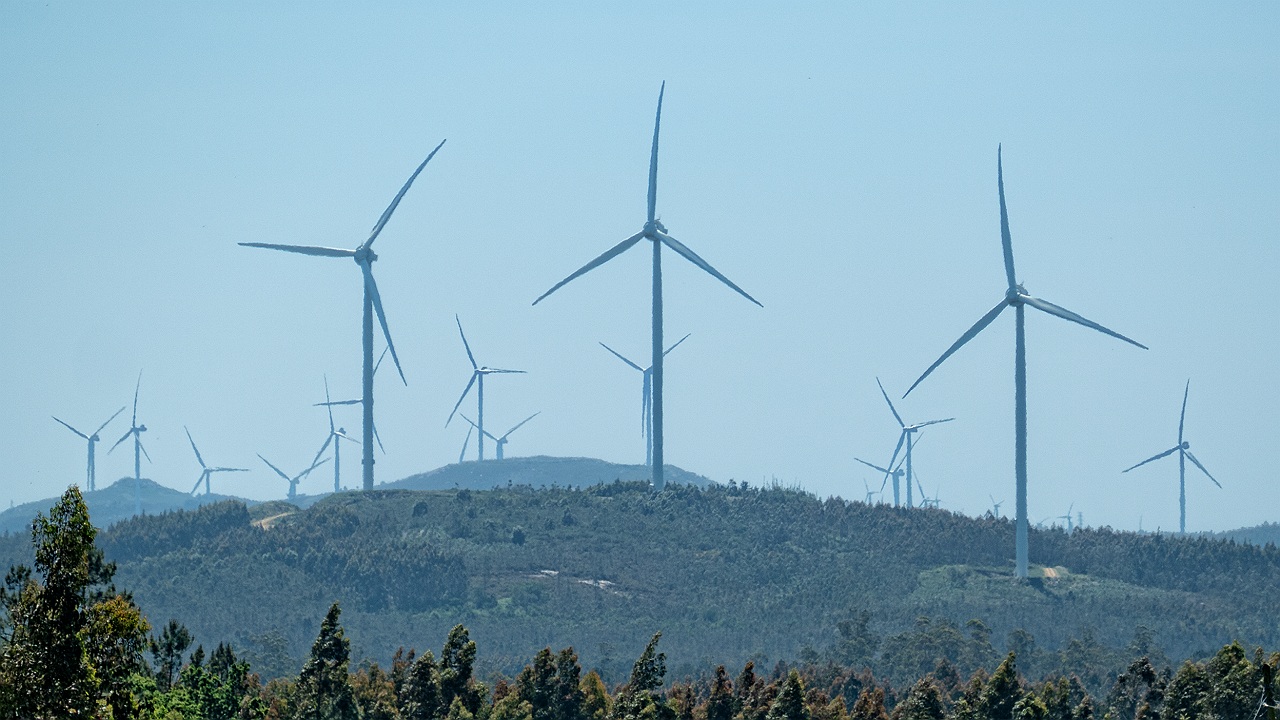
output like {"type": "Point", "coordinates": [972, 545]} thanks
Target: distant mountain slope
{"type": "Point", "coordinates": [113, 503]}
{"type": "Point", "coordinates": [538, 471]}
{"type": "Point", "coordinates": [1256, 535]}
{"type": "Point", "coordinates": [728, 573]}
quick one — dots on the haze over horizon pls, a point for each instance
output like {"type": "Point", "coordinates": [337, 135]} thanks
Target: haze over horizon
{"type": "Point", "coordinates": [838, 163]}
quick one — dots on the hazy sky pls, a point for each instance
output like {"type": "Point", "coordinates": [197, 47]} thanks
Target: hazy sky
{"type": "Point", "coordinates": [836, 160]}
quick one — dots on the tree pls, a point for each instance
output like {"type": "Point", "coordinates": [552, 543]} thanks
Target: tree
{"type": "Point", "coordinates": [870, 705]}
{"type": "Point", "coordinates": [924, 702]}
{"type": "Point", "coordinates": [789, 705]}
{"type": "Point", "coordinates": [167, 651]}
{"type": "Point", "coordinates": [457, 659]}
{"type": "Point", "coordinates": [420, 696]}
{"type": "Point", "coordinates": [1002, 692]}
{"type": "Point", "coordinates": [636, 700]}
{"type": "Point", "coordinates": [324, 692]}
{"type": "Point", "coordinates": [720, 703]}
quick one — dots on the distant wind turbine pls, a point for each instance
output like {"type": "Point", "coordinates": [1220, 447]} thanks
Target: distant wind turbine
{"type": "Point", "coordinates": [136, 431]}
{"type": "Point", "coordinates": [477, 376]}
{"type": "Point", "coordinates": [334, 403]}
{"type": "Point", "coordinates": [870, 493]}
{"type": "Point", "coordinates": [206, 471]}
{"type": "Point", "coordinates": [90, 482]}
{"type": "Point", "coordinates": [466, 442]}
{"type": "Point", "coordinates": [1067, 516]}
{"type": "Point", "coordinates": [335, 436]}
{"type": "Point", "coordinates": [656, 233]}
{"type": "Point", "coordinates": [906, 436]}
{"type": "Point", "coordinates": [364, 257]}
{"type": "Point", "coordinates": [501, 441]}
{"type": "Point", "coordinates": [1017, 297]}
{"type": "Point", "coordinates": [1183, 448]}
{"type": "Point", "coordinates": [996, 505]}
{"type": "Point", "coordinates": [646, 417]}
{"type": "Point", "coordinates": [293, 481]}
{"type": "Point", "coordinates": [896, 474]}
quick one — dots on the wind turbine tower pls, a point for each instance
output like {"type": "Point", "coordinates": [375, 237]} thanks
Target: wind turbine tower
{"type": "Point", "coordinates": [656, 233]}
{"type": "Point", "coordinates": [136, 431]}
{"type": "Point", "coordinates": [293, 481]}
{"type": "Point", "coordinates": [335, 436]}
{"type": "Point", "coordinates": [499, 442]}
{"type": "Point", "coordinates": [906, 436]}
{"type": "Point", "coordinates": [896, 474]}
{"type": "Point", "coordinates": [1183, 448]}
{"type": "Point", "coordinates": [646, 400]}
{"type": "Point", "coordinates": [364, 258]}
{"type": "Point", "coordinates": [1016, 296]}
{"type": "Point", "coordinates": [477, 378]}
{"type": "Point", "coordinates": [93, 439]}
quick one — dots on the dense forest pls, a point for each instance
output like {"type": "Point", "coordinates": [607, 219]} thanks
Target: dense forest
{"type": "Point", "coordinates": [74, 644]}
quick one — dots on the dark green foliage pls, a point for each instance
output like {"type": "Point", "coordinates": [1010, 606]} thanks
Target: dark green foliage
{"type": "Point", "coordinates": [167, 651]}
{"type": "Point", "coordinates": [924, 702]}
{"type": "Point", "coordinates": [720, 705]}
{"type": "Point", "coordinates": [324, 689]}
{"type": "Point", "coordinates": [789, 704]}
{"type": "Point", "coordinates": [1002, 691]}
{"type": "Point", "coordinates": [869, 706]}
{"type": "Point", "coordinates": [420, 694]}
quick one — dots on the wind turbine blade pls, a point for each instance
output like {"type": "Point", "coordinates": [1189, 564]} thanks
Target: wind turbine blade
{"type": "Point", "coordinates": [136, 388]}
{"type": "Point", "coordinates": [892, 409]}
{"type": "Point", "coordinates": [490, 371]}
{"type": "Point", "coordinates": [143, 448]}
{"type": "Point", "coordinates": [462, 397]}
{"type": "Point", "coordinates": [463, 454]}
{"type": "Point", "coordinates": [372, 288]}
{"type": "Point", "coordinates": [278, 470]}
{"type": "Point", "coordinates": [86, 437]}
{"type": "Point", "coordinates": [304, 249]}
{"type": "Point", "coordinates": [646, 403]}
{"type": "Point", "coordinates": [969, 335]}
{"type": "Point", "coordinates": [897, 448]}
{"type": "Point", "coordinates": [653, 157]}
{"type": "Point", "coordinates": [932, 422]}
{"type": "Point", "coordinates": [227, 469]}
{"type": "Point", "coordinates": [307, 472]}
{"type": "Point", "coordinates": [193, 447]}
{"type": "Point", "coordinates": [1182, 419]}
{"type": "Point", "coordinates": [604, 258]}
{"type": "Point", "coordinates": [323, 447]}
{"type": "Point", "coordinates": [1006, 240]}
{"type": "Point", "coordinates": [522, 422]}
{"type": "Point", "coordinates": [1196, 462]}
{"type": "Point", "coordinates": [378, 438]}
{"type": "Point", "coordinates": [326, 402]}
{"type": "Point", "coordinates": [386, 214]}
{"type": "Point", "coordinates": [338, 402]}
{"type": "Point", "coordinates": [345, 436]}
{"type": "Point", "coordinates": [676, 344]}
{"type": "Point", "coordinates": [465, 344]}
{"type": "Point", "coordinates": [692, 257]}
{"type": "Point", "coordinates": [108, 422]}
{"type": "Point", "coordinates": [623, 359]}
{"type": "Point", "coordinates": [199, 480]}
{"type": "Point", "coordinates": [477, 427]}
{"type": "Point", "coordinates": [122, 439]}
{"type": "Point", "coordinates": [873, 466]}
{"type": "Point", "coordinates": [1066, 314]}
{"type": "Point", "coordinates": [380, 359]}
{"type": "Point", "coordinates": [1166, 453]}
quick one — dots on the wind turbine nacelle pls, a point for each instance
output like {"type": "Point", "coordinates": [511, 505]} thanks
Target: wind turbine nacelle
{"type": "Point", "coordinates": [1185, 445]}
{"type": "Point", "coordinates": [141, 428]}
{"type": "Point", "coordinates": [364, 255]}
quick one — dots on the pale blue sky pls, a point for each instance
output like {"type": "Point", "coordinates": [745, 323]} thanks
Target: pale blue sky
{"type": "Point", "coordinates": [837, 161]}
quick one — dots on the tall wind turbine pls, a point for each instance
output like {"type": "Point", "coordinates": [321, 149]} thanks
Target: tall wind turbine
{"type": "Point", "coordinates": [656, 233]}
{"type": "Point", "coordinates": [293, 481]}
{"type": "Point", "coordinates": [499, 442]}
{"type": "Point", "coordinates": [896, 474]}
{"type": "Point", "coordinates": [335, 436]}
{"type": "Point", "coordinates": [207, 471]}
{"type": "Point", "coordinates": [1017, 297]}
{"type": "Point", "coordinates": [1183, 448]}
{"type": "Point", "coordinates": [908, 436]}
{"type": "Point", "coordinates": [90, 482]}
{"type": "Point", "coordinates": [136, 431]}
{"type": "Point", "coordinates": [332, 403]}
{"type": "Point", "coordinates": [646, 417]}
{"type": "Point", "coordinates": [364, 258]}
{"type": "Point", "coordinates": [477, 377]}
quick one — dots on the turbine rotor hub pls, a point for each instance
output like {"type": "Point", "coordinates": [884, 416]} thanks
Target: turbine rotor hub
{"type": "Point", "coordinates": [654, 225]}
{"type": "Point", "coordinates": [1185, 445]}
{"type": "Point", "coordinates": [364, 255]}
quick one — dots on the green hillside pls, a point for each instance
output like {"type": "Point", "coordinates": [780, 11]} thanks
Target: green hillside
{"type": "Point", "coordinates": [727, 573]}
{"type": "Point", "coordinates": [113, 503]}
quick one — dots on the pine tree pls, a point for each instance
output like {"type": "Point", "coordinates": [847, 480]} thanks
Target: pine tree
{"type": "Point", "coordinates": [720, 703]}
{"type": "Point", "coordinates": [324, 691]}
{"type": "Point", "coordinates": [924, 702]}
{"type": "Point", "coordinates": [870, 705]}
{"type": "Point", "coordinates": [420, 696]}
{"type": "Point", "coordinates": [1002, 692]}
{"type": "Point", "coordinates": [457, 659]}
{"type": "Point", "coordinates": [789, 705]}
{"type": "Point", "coordinates": [168, 651]}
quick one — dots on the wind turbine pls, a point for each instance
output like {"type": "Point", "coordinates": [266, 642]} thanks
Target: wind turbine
{"type": "Point", "coordinates": [996, 505]}
{"type": "Point", "coordinates": [206, 470]}
{"type": "Point", "coordinates": [466, 442]}
{"type": "Point", "coordinates": [500, 442]}
{"type": "Point", "coordinates": [335, 436]}
{"type": "Point", "coordinates": [656, 233]}
{"type": "Point", "coordinates": [364, 258]}
{"type": "Point", "coordinates": [293, 481]}
{"type": "Point", "coordinates": [646, 417]}
{"type": "Point", "coordinates": [1183, 448]}
{"type": "Point", "coordinates": [908, 436]}
{"type": "Point", "coordinates": [870, 493]}
{"type": "Point", "coordinates": [331, 403]}
{"type": "Point", "coordinates": [477, 374]}
{"type": "Point", "coordinates": [1017, 297]}
{"type": "Point", "coordinates": [90, 483]}
{"type": "Point", "coordinates": [136, 431]}
{"type": "Point", "coordinates": [896, 474]}
{"type": "Point", "coordinates": [1067, 517]}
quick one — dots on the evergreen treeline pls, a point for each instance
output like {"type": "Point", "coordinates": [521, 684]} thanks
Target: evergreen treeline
{"type": "Point", "coordinates": [73, 645]}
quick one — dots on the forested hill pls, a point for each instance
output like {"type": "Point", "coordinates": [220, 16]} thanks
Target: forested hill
{"type": "Point", "coordinates": [726, 572]}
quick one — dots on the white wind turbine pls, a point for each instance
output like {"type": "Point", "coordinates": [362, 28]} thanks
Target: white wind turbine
{"type": "Point", "coordinates": [1017, 297]}
{"type": "Point", "coordinates": [896, 474]}
{"type": "Point", "coordinates": [1183, 448]}
{"type": "Point", "coordinates": [206, 471]}
{"type": "Point", "coordinates": [93, 439]}
{"type": "Point", "coordinates": [136, 431]}
{"type": "Point", "coordinates": [364, 258]}
{"type": "Point", "coordinates": [907, 436]}
{"type": "Point", "coordinates": [477, 377]}
{"type": "Point", "coordinates": [293, 481]}
{"type": "Point", "coordinates": [646, 389]}
{"type": "Point", "coordinates": [499, 442]}
{"type": "Point", "coordinates": [995, 505]}
{"type": "Point", "coordinates": [656, 234]}
{"type": "Point", "coordinates": [335, 436]}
